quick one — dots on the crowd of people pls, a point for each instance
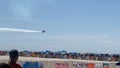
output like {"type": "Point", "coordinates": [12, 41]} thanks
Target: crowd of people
{"type": "Point", "coordinates": [68, 55]}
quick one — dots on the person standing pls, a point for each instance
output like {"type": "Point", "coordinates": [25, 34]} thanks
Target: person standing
{"type": "Point", "coordinates": [13, 55]}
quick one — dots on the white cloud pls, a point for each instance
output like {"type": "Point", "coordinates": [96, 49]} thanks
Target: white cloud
{"type": "Point", "coordinates": [17, 30]}
{"type": "Point", "coordinates": [98, 39]}
{"type": "Point", "coordinates": [80, 37]}
{"type": "Point", "coordinates": [49, 1]}
{"type": "Point", "coordinates": [20, 9]}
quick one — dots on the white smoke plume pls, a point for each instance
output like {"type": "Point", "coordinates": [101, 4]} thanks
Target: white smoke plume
{"type": "Point", "coordinates": [17, 30]}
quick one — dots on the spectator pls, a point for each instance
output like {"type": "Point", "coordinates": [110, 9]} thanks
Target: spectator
{"type": "Point", "coordinates": [65, 55]}
{"type": "Point", "coordinates": [13, 59]}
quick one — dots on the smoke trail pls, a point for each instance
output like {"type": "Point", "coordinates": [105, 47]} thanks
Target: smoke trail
{"type": "Point", "coordinates": [17, 30]}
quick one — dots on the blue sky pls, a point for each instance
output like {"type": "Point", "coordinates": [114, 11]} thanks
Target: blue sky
{"type": "Point", "coordinates": [72, 25]}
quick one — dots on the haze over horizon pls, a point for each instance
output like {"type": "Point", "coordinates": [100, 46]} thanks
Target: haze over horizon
{"type": "Point", "coordinates": [74, 26]}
